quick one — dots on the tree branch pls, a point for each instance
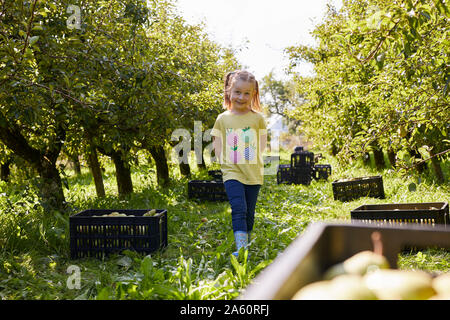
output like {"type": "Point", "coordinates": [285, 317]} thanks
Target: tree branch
{"type": "Point", "coordinates": [10, 135]}
{"type": "Point", "coordinates": [63, 92]}
{"type": "Point", "coordinates": [418, 163]}
{"type": "Point", "coordinates": [28, 29]}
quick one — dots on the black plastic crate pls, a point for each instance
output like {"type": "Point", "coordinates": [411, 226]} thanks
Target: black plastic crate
{"type": "Point", "coordinates": [323, 245]}
{"type": "Point", "coordinates": [296, 175]}
{"type": "Point", "coordinates": [321, 171]}
{"type": "Point", "coordinates": [92, 235]}
{"type": "Point", "coordinates": [284, 173]}
{"type": "Point", "coordinates": [302, 159]}
{"type": "Point", "coordinates": [207, 190]}
{"type": "Point", "coordinates": [427, 213]}
{"type": "Point", "coordinates": [216, 174]}
{"type": "Point", "coordinates": [351, 189]}
{"type": "Point", "coordinates": [301, 175]}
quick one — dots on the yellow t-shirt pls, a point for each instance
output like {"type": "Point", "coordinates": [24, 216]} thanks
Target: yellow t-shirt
{"type": "Point", "coordinates": [241, 155]}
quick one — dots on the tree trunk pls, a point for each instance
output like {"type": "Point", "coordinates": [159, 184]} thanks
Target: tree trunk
{"type": "Point", "coordinates": [162, 169]}
{"type": "Point", "coordinates": [5, 170]}
{"type": "Point", "coordinates": [185, 169]}
{"type": "Point", "coordinates": [52, 185]}
{"type": "Point", "coordinates": [437, 168]}
{"type": "Point", "coordinates": [123, 174]}
{"type": "Point", "coordinates": [378, 156]}
{"type": "Point", "coordinates": [51, 188]}
{"type": "Point", "coordinates": [96, 172]}
{"type": "Point", "coordinates": [201, 162]}
{"type": "Point", "coordinates": [76, 164]}
{"type": "Point", "coordinates": [45, 162]}
{"type": "Point", "coordinates": [392, 158]}
{"type": "Point", "coordinates": [366, 159]}
{"type": "Point", "coordinates": [421, 167]}
{"type": "Point", "coordinates": [334, 149]}
{"type": "Point", "coordinates": [202, 165]}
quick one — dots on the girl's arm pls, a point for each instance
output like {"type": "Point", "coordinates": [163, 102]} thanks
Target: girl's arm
{"type": "Point", "coordinates": [263, 143]}
{"type": "Point", "coordinates": [217, 144]}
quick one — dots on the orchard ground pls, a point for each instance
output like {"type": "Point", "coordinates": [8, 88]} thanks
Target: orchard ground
{"type": "Point", "coordinates": [197, 264]}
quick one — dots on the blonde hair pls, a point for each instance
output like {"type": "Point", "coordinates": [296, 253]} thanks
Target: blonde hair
{"type": "Point", "coordinates": [244, 75]}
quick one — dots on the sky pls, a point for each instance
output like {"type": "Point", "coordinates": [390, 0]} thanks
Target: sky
{"type": "Point", "coordinates": [259, 29]}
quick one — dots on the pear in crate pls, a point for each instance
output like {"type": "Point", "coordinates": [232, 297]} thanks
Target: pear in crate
{"type": "Point", "coordinates": [442, 284]}
{"type": "Point", "coordinates": [150, 213]}
{"type": "Point", "coordinates": [112, 214]}
{"type": "Point", "coordinates": [319, 290]}
{"type": "Point", "coordinates": [343, 287]}
{"type": "Point", "coordinates": [393, 284]}
{"type": "Point", "coordinates": [358, 264]}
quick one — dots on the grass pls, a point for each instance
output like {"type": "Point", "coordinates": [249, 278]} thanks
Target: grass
{"type": "Point", "coordinates": [198, 263]}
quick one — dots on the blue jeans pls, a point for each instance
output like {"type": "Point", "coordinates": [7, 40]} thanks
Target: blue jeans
{"type": "Point", "coordinates": [242, 198]}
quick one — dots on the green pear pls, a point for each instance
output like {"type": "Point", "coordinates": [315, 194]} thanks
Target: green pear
{"type": "Point", "coordinates": [343, 287]}
{"type": "Point", "coordinates": [358, 264]}
{"type": "Point", "coordinates": [393, 284]}
{"type": "Point", "coordinates": [150, 213]}
{"type": "Point", "coordinates": [319, 290]}
{"type": "Point", "coordinates": [364, 261]}
{"type": "Point", "coordinates": [351, 287]}
{"type": "Point", "coordinates": [442, 284]}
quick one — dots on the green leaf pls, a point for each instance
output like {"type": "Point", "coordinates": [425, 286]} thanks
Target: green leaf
{"type": "Point", "coordinates": [124, 262]}
{"type": "Point", "coordinates": [43, 12]}
{"type": "Point", "coordinates": [52, 5]}
{"type": "Point", "coordinates": [407, 50]}
{"type": "Point", "coordinates": [425, 14]}
{"type": "Point", "coordinates": [37, 27]}
{"type": "Point", "coordinates": [446, 87]}
{"type": "Point", "coordinates": [33, 40]}
{"type": "Point", "coordinates": [147, 266]}
{"type": "Point", "coordinates": [104, 294]}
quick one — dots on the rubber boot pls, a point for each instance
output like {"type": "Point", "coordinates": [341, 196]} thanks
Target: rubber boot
{"type": "Point", "coordinates": [241, 239]}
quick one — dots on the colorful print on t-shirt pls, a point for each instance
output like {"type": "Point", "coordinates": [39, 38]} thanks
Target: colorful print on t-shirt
{"type": "Point", "coordinates": [241, 145]}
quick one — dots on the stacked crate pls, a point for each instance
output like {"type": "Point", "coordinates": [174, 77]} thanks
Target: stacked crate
{"type": "Point", "coordinates": [302, 168]}
{"type": "Point", "coordinates": [300, 171]}
{"type": "Point", "coordinates": [302, 164]}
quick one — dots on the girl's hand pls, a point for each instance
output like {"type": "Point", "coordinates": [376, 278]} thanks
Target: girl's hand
{"type": "Point", "coordinates": [217, 144]}
{"type": "Point", "coordinates": [263, 143]}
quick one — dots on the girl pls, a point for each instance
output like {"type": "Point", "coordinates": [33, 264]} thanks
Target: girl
{"type": "Point", "coordinates": [239, 139]}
